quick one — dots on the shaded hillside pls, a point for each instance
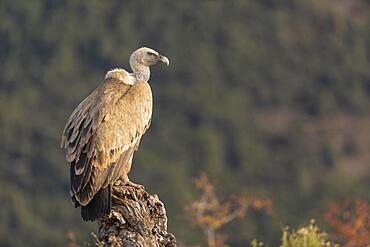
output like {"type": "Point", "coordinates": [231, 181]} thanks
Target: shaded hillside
{"type": "Point", "coordinates": [269, 97]}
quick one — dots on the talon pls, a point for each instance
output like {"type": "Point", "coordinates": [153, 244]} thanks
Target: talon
{"type": "Point", "coordinates": [131, 184]}
{"type": "Point", "coordinates": [117, 183]}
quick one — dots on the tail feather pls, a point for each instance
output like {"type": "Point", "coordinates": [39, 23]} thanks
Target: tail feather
{"type": "Point", "coordinates": [99, 206]}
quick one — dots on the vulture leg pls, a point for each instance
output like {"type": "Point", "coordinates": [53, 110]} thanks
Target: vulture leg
{"type": "Point", "coordinates": [125, 163]}
{"type": "Point", "coordinates": [125, 181]}
{"type": "Point", "coordinates": [132, 184]}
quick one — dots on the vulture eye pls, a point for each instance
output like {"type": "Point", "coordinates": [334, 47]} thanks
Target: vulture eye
{"type": "Point", "coordinates": [150, 53]}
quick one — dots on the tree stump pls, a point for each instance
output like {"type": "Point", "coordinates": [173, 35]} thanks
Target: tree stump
{"type": "Point", "coordinates": [137, 219]}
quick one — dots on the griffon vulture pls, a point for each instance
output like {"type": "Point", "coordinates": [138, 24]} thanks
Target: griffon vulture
{"type": "Point", "coordinates": [104, 131]}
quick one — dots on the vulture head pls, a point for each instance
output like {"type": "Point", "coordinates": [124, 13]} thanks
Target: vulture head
{"type": "Point", "coordinates": [145, 56]}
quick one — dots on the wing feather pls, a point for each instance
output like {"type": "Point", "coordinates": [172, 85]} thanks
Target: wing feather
{"type": "Point", "coordinates": [103, 132]}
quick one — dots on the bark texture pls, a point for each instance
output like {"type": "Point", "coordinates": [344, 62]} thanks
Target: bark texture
{"type": "Point", "coordinates": [137, 219]}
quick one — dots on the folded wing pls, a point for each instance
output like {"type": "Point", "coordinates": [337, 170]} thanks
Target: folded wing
{"type": "Point", "coordinates": [102, 134]}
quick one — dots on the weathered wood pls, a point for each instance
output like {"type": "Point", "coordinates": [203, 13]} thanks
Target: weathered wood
{"type": "Point", "coordinates": [137, 220]}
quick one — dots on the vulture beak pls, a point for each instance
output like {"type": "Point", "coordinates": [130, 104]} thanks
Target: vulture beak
{"type": "Point", "coordinates": [163, 59]}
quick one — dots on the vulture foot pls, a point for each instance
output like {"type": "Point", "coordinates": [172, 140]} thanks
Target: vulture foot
{"type": "Point", "coordinates": [126, 182]}
{"type": "Point", "coordinates": [132, 184]}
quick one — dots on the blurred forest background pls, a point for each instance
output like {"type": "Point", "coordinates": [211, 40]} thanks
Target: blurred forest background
{"type": "Point", "coordinates": [269, 98]}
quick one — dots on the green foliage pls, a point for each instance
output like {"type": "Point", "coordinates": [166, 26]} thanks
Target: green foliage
{"type": "Point", "coordinates": [265, 96]}
{"type": "Point", "coordinates": [307, 236]}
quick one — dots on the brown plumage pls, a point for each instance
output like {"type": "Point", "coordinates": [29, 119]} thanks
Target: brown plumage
{"type": "Point", "coordinates": [104, 131]}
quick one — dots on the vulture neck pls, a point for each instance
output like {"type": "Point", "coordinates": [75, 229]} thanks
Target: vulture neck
{"type": "Point", "coordinates": [140, 72]}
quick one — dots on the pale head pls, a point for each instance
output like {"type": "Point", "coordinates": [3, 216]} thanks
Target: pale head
{"type": "Point", "coordinates": [145, 56]}
{"type": "Point", "coordinates": [142, 59]}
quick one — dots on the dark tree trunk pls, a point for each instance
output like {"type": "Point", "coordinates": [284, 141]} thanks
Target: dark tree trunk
{"type": "Point", "coordinates": [137, 220]}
